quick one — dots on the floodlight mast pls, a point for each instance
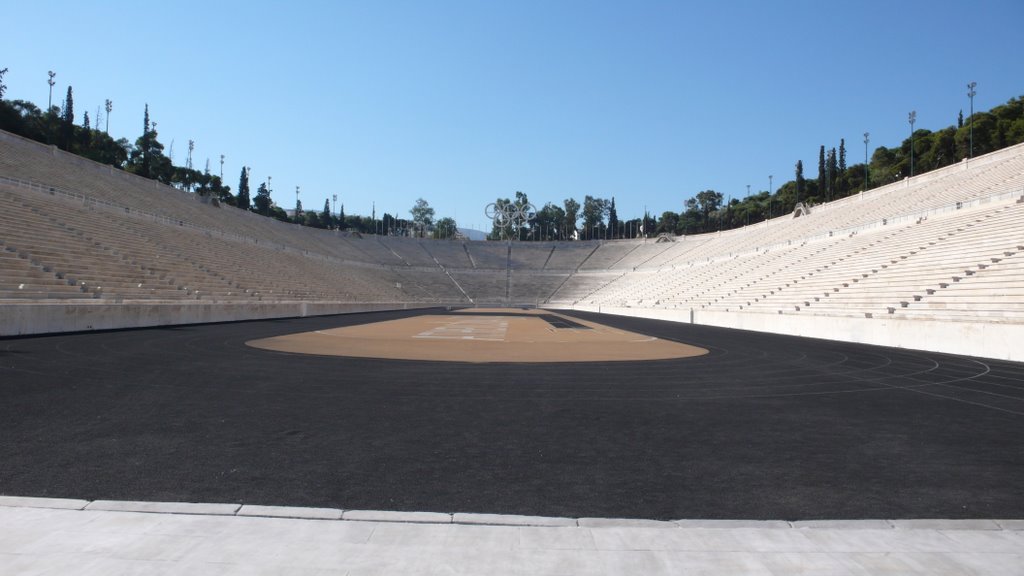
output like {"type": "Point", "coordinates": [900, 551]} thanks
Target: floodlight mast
{"type": "Point", "coordinates": [971, 92]}
{"type": "Point", "coordinates": [867, 138]}
{"type": "Point", "coordinates": [50, 81]}
{"type": "Point", "coordinates": [912, 117]}
{"type": "Point", "coordinates": [49, 106]}
{"type": "Point", "coordinates": [109, 106]}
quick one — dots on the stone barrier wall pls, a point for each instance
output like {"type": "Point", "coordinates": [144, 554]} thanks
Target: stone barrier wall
{"type": "Point", "coordinates": [982, 339]}
{"type": "Point", "coordinates": [46, 317]}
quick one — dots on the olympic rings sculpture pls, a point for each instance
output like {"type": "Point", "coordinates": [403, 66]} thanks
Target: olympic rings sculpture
{"type": "Point", "coordinates": [511, 214]}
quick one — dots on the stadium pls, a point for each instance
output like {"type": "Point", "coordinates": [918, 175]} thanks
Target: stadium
{"type": "Point", "coordinates": [856, 361]}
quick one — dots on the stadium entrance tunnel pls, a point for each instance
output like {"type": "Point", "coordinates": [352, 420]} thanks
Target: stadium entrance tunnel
{"type": "Point", "coordinates": [483, 335]}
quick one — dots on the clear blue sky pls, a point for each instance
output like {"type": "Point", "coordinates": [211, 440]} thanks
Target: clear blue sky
{"type": "Point", "coordinates": [462, 102]}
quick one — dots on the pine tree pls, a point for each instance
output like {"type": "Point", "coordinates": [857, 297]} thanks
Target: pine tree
{"type": "Point", "coordinates": [3, 87]}
{"type": "Point", "coordinates": [960, 120]}
{"type": "Point", "coordinates": [262, 202]}
{"type": "Point", "coordinates": [242, 200]}
{"type": "Point", "coordinates": [341, 218]}
{"type": "Point", "coordinates": [842, 156]}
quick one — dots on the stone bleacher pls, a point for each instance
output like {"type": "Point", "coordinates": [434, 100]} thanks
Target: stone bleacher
{"type": "Point", "coordinates": [945, 246]}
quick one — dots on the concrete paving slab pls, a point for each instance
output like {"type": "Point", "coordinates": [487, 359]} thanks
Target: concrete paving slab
{"type": "Point", "coordinates": [624, 523]}
{"type": "Point", "coordinates": [733, 524]}
{"type": "Point", "coordinates": [775, 540]}
{"type": "Point", "coordinates": [553, 538]}
{"type": "Point", "coordinates": [1010, 524]}
{"type": "Point", "coordinates": [30, 502]}
{"type": "Point", "coordinates": [639, 562]}
{"type": "Point", "coordinates": [875, 563]}
{"type": "Point", "coordinates": [406, 534]}
{"type": "Point", "coordinates": [714, 563]}
{"type": "Point", "coordinates": [989, 564]}
{"type": "Point", "coordinates": [843, 524]}
{"type": "Point", "coordinates": [484, 537]}
{"type": "Point", "coordinates": [117, 542]}
{"type": "Point", "coordinates": [821, 563]}
{"type": "Point", "coordinates": [390, 516]}
{"type": "Point", "coordinates": [559, 563]}
{"type": "Point", "coordinates": [626, 538]}
{"type": "Point", "coordinates": [928, 524]}
{"type": "Point", "coordinates": [1001, 541]}
{"type": "Point", "coordinates": [855, 541]}
{"type": "Point", "coordinates": [164, 507]}
{"type": "Point", "coordinates": [290, 512]}
{"type": "Point", "coordinates": [511, 520]}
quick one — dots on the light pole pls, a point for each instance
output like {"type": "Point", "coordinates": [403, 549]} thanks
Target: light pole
{"type": "Point", "coordinates": [770, 191]}
{"type": "Point", "coordinates": [297, 204]}
{"type": "Point", "coordinates": [188, 165]}
{"type": "Point", "coordinates": [49, 105]}
{"type": "Point", "coordinates": [867, 137]}
{"type": "Point", "coordinates": [912, 117]}
{"type": "Point", "coordinates": [108, 106]}
{"type": "Point", "coordinates": [970, 94]}
{"type": "Point", "coordinates": [335, 198]}
{"type": "Point", "coordinates": [222, 168]}
{"type": "Point", "coordinates": [50, 81]}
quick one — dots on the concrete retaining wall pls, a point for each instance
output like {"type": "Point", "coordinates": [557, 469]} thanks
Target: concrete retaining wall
{"type": "Point", "coordinates": [985, 340]}
{"type": "Point", "coordinates": [46, 317]}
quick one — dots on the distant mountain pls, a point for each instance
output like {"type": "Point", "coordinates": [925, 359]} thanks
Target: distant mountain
{"type": "Point", "coordinates": [473, 234]}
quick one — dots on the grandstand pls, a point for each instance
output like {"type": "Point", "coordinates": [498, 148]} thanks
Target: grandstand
{"type": "Point", "coordinates": [934, 262]}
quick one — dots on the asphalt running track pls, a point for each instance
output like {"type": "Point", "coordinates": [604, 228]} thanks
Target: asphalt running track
{"type": "Point", "coordinates": [764, 427]}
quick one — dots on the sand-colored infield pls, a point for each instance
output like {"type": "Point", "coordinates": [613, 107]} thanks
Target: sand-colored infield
{"type": "Point", "coordinates": [482, 335]}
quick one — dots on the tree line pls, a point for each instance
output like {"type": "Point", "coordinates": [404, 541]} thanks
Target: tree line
{"type": "Point", "coordinates": [595, 218]}
{"type": "Point", "coordinates": [709, 210]}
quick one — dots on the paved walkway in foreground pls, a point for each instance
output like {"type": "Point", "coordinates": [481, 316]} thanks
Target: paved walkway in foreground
{"type": "Point", "coordinates": [56, 536]}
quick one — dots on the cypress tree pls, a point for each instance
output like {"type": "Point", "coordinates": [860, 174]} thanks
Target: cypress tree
{"type": "Point", "coordinates": [613, 218]}
{"type": "Point", "coordinates": [144, 144]}
{"type": "Point", "coordinates": [86, 133]}
{"type": "Point", "coordinates": [242, 200]}
{"type": "Point", "coordinates": [800, 182]}
{"type": "Point", "coordinates": [822, 179]}
{"type": "Point", "coordinates": [67, 123]}
{"type": "Point", "coordinates": [326, 216]}
{"type": "Point", "coordinates": [832, 170]}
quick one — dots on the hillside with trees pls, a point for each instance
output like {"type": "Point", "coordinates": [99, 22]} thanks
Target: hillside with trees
{"type": "Point", "coordinates": [596, 218]}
